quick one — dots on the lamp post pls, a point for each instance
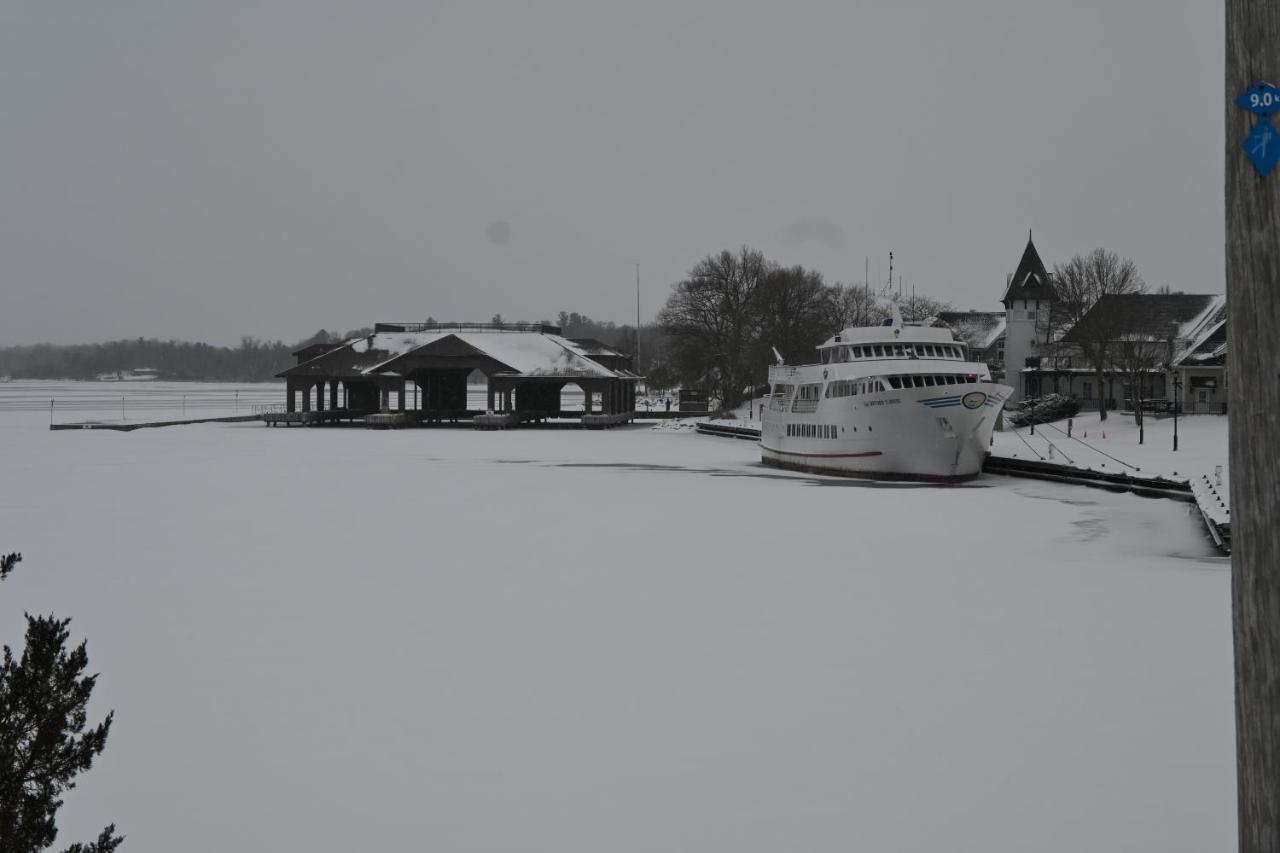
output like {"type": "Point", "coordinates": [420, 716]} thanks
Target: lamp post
{"type": "Point", "coordinates": [1177, 404]}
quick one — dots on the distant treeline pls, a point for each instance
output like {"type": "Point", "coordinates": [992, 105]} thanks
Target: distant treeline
{"type": "Point", "coordinates": [252, 361]}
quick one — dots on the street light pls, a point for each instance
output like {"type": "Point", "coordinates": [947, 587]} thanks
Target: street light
{"type": "Point", "coordinates": [1177, 404]}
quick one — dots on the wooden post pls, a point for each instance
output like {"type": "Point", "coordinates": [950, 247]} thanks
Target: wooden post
{"type": "Point", "coordinates": [1253, 321]}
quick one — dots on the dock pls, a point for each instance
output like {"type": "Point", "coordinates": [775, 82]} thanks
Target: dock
{"type": "Point", "coordinates": [125, 426]}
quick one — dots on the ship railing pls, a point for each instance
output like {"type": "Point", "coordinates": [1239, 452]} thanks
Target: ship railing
{"type": "Point", "coordinates": [781, 372]}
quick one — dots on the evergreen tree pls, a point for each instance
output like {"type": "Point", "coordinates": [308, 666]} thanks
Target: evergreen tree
{"type": "Point", "coordinates": [44, 744]}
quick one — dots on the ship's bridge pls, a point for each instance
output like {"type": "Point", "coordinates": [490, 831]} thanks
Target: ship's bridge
{"type": "Point", "coordinates": [885, 342]}
{"type": "Point", "coordinates": [891, 334]}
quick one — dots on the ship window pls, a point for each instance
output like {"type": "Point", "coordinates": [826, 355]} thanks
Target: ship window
{"type": "Point", "coordinates": [897, 350]}
{"type": "Point", "coordinates": [879, 351]}
{"type": "Point", "coordinates": [917, 381]}
{"type": "Point", "coordinates": [928, 381]}
{"type": "Point", "coordinates": [895, 381]}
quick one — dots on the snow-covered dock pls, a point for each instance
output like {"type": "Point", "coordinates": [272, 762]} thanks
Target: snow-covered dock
{"type": "Point", "coordinates": [130, 426]}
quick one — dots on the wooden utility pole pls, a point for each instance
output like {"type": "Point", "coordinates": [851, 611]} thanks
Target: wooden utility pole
{"type": "Point", "coordinates": [1253, 299]}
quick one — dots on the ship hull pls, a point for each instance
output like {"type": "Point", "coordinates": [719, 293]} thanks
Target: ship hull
{"type": "Point", "coordinates": [930, 434]}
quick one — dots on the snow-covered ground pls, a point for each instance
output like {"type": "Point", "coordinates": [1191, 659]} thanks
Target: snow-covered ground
{"type": "Point", "coordinates": [1112, 445]}
{"type": "Point", "coordinates": [634, 639]}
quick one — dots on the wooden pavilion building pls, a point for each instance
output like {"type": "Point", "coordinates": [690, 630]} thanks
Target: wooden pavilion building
{"type": "Point", "coordinates": [407, 373]}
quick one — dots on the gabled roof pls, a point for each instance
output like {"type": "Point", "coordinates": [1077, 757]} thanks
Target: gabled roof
{"type": "Point", "coordinates": [391, 353]}
{"type": "Point", "coordinates": [1209, 351]}
{"type": "Point", "coordinates": [1206, 336]}
{"type": "Point", "coordinates": [1176, 317]}
{"type": "Point", "coordinates": [979, 329]}
{"type": "Point", "coordinates": [1031, 280]}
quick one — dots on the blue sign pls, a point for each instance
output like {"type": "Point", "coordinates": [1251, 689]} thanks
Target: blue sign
{"type": "Point", "coordinates": [1263, 146]}
{"type": "Point", "coordinates": [1261, 99]}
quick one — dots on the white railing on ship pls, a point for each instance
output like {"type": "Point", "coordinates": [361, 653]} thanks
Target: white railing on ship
{"type": "Point", "coordinates": [779, 372]}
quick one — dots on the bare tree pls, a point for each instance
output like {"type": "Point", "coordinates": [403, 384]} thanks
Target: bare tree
{"type": "Point", "coordinates": [1081, 284]}
{"type": "Point", "coordinates": [710, 320]}
{"type": "Point", "coordinates": [917, 309]}
{"type": "Point", "coordinates": [851, 305]}
{"type": "Point", "coordinates": [790, 314]}
{"type": "Point", "coordinates": [1138, 354]}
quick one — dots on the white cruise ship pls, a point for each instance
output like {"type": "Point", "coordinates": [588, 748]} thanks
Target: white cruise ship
{"type": "Point", "coordinates": [894, 401]}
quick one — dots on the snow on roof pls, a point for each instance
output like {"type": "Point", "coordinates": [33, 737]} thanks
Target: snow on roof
{"type": "Point", "coordinates": [1205, 323]}
{"type": "Point", "coordinates": [534, 354]}
{"type": "Point", "coordinates": [979, 329]}
{"type": "Point", "coordinates": [522, 352]}
{"type": "Point", "coordinates": [1149, 316]}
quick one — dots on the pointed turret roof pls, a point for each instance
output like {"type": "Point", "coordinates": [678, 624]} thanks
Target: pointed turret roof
{"type": "Point", "coordinates": [1031, 280]}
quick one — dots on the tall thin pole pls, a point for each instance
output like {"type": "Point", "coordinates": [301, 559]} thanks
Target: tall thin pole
{"type": "Point", "coordinates": [1253, 316]}
{"type": "Point", "coordinates": [637, 318]}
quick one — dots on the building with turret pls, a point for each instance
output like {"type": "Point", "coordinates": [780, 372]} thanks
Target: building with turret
{"type": "Point", "coordinates": [1028, 301]}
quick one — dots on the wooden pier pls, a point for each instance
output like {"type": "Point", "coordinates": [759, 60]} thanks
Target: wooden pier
{"type": "Point", "coordinates": [125, 426]}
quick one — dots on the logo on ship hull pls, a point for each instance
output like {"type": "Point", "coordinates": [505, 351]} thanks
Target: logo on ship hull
{"type": "Point", "coordinates": [974, 399]}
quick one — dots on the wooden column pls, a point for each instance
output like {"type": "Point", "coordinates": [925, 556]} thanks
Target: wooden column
{"type": "Point", "coordinates": [1253, 321]}
{"type": "Point", "coordinates": [291, 391]}
{"type": "Point", "coordinates": [306, 397]}
{"type": "Point", "coordinates": [333, 394]}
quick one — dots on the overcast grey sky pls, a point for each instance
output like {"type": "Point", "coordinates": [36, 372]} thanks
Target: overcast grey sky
{"type": "Point", "coordinates": [211, 170]}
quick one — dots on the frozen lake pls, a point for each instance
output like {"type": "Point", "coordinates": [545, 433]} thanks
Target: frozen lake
{"type": "Point", "coordinates": [632, 640]}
